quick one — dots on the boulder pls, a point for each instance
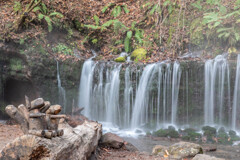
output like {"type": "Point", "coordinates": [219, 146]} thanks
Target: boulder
{"type": "Point", "coordinates": [159, 150]}
{"type": "Point", "coordinates": [184, 149]}
{"type": "Point", "coordinates": [112, 140]}
{"type": "Point", "coordinates": [120, 59]}
{"type": "Point", "coordinates": [76, 144]}
{"type": "Point", "coordinates": [205, 157]}
{"type": "Point", "coordinates": [139, 54]}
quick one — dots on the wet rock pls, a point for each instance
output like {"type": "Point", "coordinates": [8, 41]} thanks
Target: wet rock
{"type": "Point", "coordinates": [209, 132]}
{"type": "Point", "coordinates": [233, 135]}
{"type": "Point", "coordinates": [112, 140]}
{"type": "Point", "coordinates": [159, 150]}
{"type": "Point", "coordinates": [170, 132]}
{"type": "Point", "coordinates": [223, 137]}
{"type": "Point", "coordinates": [190, 134]}
{"type": "Point", "coordinates": [205, 157]}
{"type": "Point", "coordinates": [184, 149]}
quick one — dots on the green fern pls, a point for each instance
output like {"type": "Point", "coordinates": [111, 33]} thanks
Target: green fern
{"type": "Point", "coordinates": [92, 26]}
{"type": "Point", "coordinates": [40, 16]}
{"type": "Point", "coordinates": [129, 34]}
{"type": "Point", "coordinates": [106, 7]}
{"type": "Point", "coordinates": [116, 11]}
{"type": "Point", "coordinates": [153, 9]}
{"type": "Point", "coordinates": [127, 44]}
{"type": "Point", "coordinates": [44, 8]}
{"type": "Point", "coordinates": [57, 14]}
{"type": "Point", "coordinates": [49, 22]}
{"type": "Point", "coordinates": [17, 6]}
{"type": "Point", "coordinates": [126, 10]}
{"type": "Point", "coordinates": [96, 18]}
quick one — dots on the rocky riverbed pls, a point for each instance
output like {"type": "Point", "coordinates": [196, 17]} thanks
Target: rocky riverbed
{"type": "Point", "coordinates": [143, 144]}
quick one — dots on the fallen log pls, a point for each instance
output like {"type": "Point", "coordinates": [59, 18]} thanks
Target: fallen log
{"type": "Point", "coordinates": [46, 106]}
{"type": "Point", "coordinates": [28, 105]}
{"type": "Point", "coordinates": [58, 116]}
{"type": "Point", "coordinates": [77, 111]}
{"type": "Point", "coordinates": [54, 109]}
{"type": "Point", "coordinates": [23, 110]}
{"type": "Point", "coordinates": [42, 133]}
{"type": "Point", "coordinates": [36, 124]}
{"type": "Point", "coordinates": [15, 114]}
{"type": "Point", "coordinates": [60, 132]}
{"type": "Point", "coordinates": [76, 144]}
{"type": "Point", "coordinates": [36, 115]}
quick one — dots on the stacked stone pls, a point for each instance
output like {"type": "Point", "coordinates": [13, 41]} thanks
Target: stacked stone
{"type": "Point", "coordinates": [38, 118]}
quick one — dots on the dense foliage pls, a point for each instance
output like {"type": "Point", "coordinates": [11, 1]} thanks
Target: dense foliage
{"type": "Point", "coordinates": [166, 28]}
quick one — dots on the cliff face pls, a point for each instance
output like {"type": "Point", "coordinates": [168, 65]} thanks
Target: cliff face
{"type": "Point", "coordinates": [35, 77]}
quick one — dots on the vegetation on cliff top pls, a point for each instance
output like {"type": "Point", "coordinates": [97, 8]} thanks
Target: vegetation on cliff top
{"type": "Point", "coordinates": [165, 28]}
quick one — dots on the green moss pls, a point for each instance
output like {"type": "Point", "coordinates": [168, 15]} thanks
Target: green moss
{"type": "Point", "coordinates": [139, 54]}
{"type": "Point", "coordinates": [191, 134]}
{"type": "Point", "coordinates": [63, 49]}
{"type": "Point", "coordinates": [233, 135]}
{"type": "Point", "coordinates": [209, 132]}
{"type": "Point", "coordinates": [120, 59]}
{"type": "Point", "coordinates": [171, 132]}
{"type": "Point", "coordinates": [16, 64]}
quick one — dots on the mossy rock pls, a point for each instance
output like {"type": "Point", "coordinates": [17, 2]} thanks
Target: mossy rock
{"type": "Point", "coordinates": [120, 59]}
{"type": "Point", "coordinates": [233, 135]}
{"type": "Point", "coordinates": [223, 137]}
{"type": "Point", "coordinates": [139, 54]}
{"type": "Point", "coordinates": [170, 132]}
{"type": "Point", "coordinates": [209, 132]}
{"type": "Point", "coordinates": [191, 134]}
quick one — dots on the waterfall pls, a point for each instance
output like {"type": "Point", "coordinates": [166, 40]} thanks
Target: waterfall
{"type": "Point", "coordinates": [112, 109]}
{"type": "Point", "coordinates": [215, 79]}
{"type": "Point", "coordinates": [128, 98]}
{"type": "Point", "coordinates": [175, 90]}
{"type": "Point", "coordinates": [236, 97]}
{"type": "Point", "coordinates": [61, 91]}
{"type": "Point", "coordinates": [85, 89]}
{"type": "Point", "coordinates": [140, 105]}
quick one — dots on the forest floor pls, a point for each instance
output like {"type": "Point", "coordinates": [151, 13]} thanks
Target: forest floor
{"type": "Point", "coordinates": [144, 144]}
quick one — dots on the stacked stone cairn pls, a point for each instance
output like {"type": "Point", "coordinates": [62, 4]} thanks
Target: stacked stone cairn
{"type": "Point", "coordinates": [38, 118]}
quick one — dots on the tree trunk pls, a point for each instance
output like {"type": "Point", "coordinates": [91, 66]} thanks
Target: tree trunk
{"type": "Point", "coordinates": [76, 144]}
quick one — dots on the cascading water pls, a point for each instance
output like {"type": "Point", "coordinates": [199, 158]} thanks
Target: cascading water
{"type": "Point", "coordinates": [236, 97]}
{"type": "Point", "coordinates": [150, 97]}
{"type": "Point", "coordinates": [112, 105]}
{"type": "Point", "coordinates": [85, 89]}
{"type": "Point", "coordinates": [61, 91]}
{"type": "Point", "coordinates": [140, 108]}
{"type": "Point", "coordinates": [216, 76]}
{"type": "Point", "coordinates": [175, 90]}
